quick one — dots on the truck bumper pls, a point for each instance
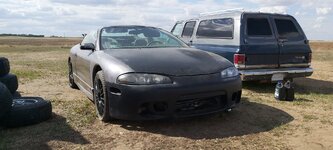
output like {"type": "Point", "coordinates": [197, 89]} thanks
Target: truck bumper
{"type": "Point", "coordinates": [266, 74]}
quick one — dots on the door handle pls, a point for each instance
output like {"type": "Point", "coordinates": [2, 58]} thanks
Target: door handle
{"type": "Point", "coordinates": [283, 40]}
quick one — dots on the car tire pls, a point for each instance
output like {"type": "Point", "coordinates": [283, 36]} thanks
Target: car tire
{"type": "Point", "coordinates": [28, 111]}
{"type": "Point", "coordinates": [11, 82]}
{"type": "Point", "coordinates": [71, 81]}
{"type": "Point", "coordinates": [101, 99]}
{"type": "Point", "coordinates": [4, 66]}
{"type": "Point", "coordinates": [6, 101]}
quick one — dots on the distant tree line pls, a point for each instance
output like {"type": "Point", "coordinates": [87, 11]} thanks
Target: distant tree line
{"type": "Point", "coordinates": [23, 35]}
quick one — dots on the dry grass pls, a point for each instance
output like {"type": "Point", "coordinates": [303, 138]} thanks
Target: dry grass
{"type": "Point", "coordinates": [260, 122]}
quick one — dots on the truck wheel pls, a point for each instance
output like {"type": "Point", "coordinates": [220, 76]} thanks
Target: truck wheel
{"type": "Point", "coordinates": [4, 66]}
{"type": "Point", "coordinates": [71, 81]}
{"type": "Point", "coordinates": [10, 80]}
{"type": "Point", "coordinates": [6, 101]}
{"type": "Point", "coordinates": [28, 111]}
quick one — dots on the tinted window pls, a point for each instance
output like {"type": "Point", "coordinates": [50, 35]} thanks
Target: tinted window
{"type": "Point", "coordinates": [177, 29]}
{"type": "Point", "coordinates": [216, 28]}
{"type": "Point", "coordinates": [258, 27]}
{"type": "Point", "coordinates": [188, 29]}
{"type": "Point", "coordinates": [124, 37]}
{"type": "Point", "coordinates": [286, 28]}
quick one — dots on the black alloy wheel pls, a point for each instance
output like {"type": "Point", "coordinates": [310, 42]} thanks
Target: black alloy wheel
{"type": "Point", "coordinates": [101, 98]}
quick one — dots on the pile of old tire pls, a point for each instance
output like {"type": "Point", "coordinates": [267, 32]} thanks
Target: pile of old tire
{"type": "Point", "coordinates": [19, 111]}
{"type": "Point", "coordinates": [10, 80]}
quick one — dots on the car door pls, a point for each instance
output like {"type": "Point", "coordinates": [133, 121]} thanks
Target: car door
{"type": "Point", "coordinates": [188, 32]}
{"type": "Point", "coordinates": [82, 62]}
{"type": "Point", "coordinates": [293, 44]}
{"type": "Point", "coordinates": [260, 44]}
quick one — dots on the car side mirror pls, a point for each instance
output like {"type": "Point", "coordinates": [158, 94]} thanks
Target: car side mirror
{"type": "Point", "coordinates": [87, 46]}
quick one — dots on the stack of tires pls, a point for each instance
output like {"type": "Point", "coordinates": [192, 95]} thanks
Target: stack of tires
{"type": "Point", "coordinates": [19, 111]}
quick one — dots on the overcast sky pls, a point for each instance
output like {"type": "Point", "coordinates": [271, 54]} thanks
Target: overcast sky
{"type": "Point", "coordinates": [73, 17]}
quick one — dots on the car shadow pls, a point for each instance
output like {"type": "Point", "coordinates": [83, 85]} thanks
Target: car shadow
{"type": "Point", "coordinates": [38, 136]}
{"type": "Point", "coordinates": [259, 87]}
{"type": "Point", "coordinates": [309, 85]}
{"type": "Point", "coordinates": [248, 118]}
{"type": "Point", "coordinates": [302, 86]}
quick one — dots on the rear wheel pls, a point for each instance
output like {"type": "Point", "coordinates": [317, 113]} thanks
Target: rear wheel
{"type": "Point", "coordinates": [71, 81]}
{"type": "Point", "coordinates": [101, 97]}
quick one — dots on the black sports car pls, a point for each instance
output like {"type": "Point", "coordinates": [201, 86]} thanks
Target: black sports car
{"type": "Point", "coordinates": [143, 73]}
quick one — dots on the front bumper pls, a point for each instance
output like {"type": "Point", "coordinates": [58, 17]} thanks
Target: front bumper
{"type": "Point", "coordinates": [266, 74]}
{"type": "Point", "coordinates": [187, 96]}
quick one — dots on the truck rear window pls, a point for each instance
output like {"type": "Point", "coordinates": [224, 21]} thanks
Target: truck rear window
{"type": "Point", "coordinates": [188, 29]}
{"type": "Point", "coordinates": [216, 28]}
{"type": "Point", "coordinates": [286, 28]}
{"type": "Point", "coordinates": [258, 27]}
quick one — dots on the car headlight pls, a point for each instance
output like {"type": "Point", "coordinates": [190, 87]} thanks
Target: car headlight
{"type": "Point", "coordinates": [229, 72]}
{"type": "Point", "coordinates": [143, 79]}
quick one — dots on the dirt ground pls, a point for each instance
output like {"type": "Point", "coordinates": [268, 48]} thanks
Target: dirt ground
{"type": "Point", "coordinates": [260, 122]}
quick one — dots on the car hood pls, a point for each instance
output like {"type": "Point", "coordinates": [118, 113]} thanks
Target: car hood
{"type": "Point", "coordinates": [170, 61]}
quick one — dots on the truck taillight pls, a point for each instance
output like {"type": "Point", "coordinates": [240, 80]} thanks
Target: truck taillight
{"type": "Point", "coordinates": [239, 60]}
{"type": "Point", "coordinates": [310, 57]}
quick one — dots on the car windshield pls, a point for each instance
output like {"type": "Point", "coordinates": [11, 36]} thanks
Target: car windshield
{"type": "Point", "coordinates": [120, 37]}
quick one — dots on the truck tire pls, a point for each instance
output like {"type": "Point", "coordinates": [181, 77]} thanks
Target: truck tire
{"type": "Point", "coordinates": [28, 111]}
{"type": "Point", "coordinates": [10, 80]}
{"type": "Point", "coordinates": [6, 101]}
{"type": "Point", "coordinates": [4, 66]}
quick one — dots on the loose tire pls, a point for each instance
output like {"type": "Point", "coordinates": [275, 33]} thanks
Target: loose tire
{"type": "Point", "coordinates": [11, 82]}
{"type": "Point", "coordinates": [101, 97]}
{"type": "Point", "coordinates": [71, 81]}
{"type": "Point", "coordinates": [28, 111]}
{"type": "Point", "coordinates": [6, 101]}
{"type": "Point", "coordinates": [4, 66]}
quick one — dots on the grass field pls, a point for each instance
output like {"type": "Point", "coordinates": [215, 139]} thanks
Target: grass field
{"type": "Point", "coordinates": [260, 122]}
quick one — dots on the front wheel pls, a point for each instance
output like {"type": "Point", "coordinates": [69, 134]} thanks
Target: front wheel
{"type": "Point", "coordinates": [101, 97]}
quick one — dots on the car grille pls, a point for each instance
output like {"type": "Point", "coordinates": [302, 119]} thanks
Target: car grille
{"type": "Point", "coordinates": [200, 106]}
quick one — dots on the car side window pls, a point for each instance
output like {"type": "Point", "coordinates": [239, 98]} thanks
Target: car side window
{"type": "Point", "coordinates": [177, 29]}
{"type": "Point", "coordinates": [286, 28]}
{"type": "Point", "coordinates": [216, 28]}
{"type": "Point", "coordinates": [90, 38]}
{"type": "Point", "coordinates": [188, 29]}
{"type": "Point", "coordinates": [258, 27]}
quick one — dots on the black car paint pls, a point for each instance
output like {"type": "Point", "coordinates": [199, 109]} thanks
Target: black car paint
{"type": "Point", "coordinates": [184, 88]}
{"type": "Point", "coordinates": [170, 61]}
{"type": "Point", "coordinates": [185, 66]}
